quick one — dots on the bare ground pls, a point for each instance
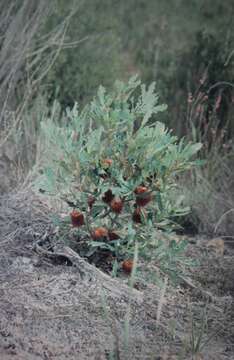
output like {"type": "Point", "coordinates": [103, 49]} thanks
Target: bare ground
{"type": "Point", "coordinates": [49, 310]}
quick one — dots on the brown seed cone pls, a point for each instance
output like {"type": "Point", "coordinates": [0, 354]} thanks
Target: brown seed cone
{"type": "Point", "coordinates": [143, 200]}
{"type": "Point", "coordinates": [108, 196]}
{"type": "Point", "coordinates": [141, 190]}
{"type": "Point", "coordinates": [116, 205]}
{"type": "Point", "coordinates": [77, 218]}
{"type": "Point", "coordinates": [99, 233]}
{"type": "Point", "coordinates": [137, 215]}
{"type": "Point", "coordinates": [143, 197]}
{"type": "Point", "coordinates": [112, 235]}
{"type": "Point", "coordinates": [127, 265]}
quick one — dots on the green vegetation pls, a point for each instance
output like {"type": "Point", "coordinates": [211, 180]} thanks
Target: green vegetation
{"type": "Point", "coordinates": [76, 47]}
{"type": "Point", "coordinates": [104, 173]}
{"type": "Point", "coordinates": [117, 170]}
{"type": "Point", "coordinates": [187, 49]}
{"type": "Point", "coordinates": [175, 43]}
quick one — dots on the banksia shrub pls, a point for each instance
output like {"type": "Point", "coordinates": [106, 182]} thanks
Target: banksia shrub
{"type": "Point", "coordinates": [123, 166]}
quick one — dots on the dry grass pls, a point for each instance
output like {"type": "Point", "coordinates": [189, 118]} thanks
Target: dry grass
{"type": "Point", "coordinates": [23, 217]}
{"type": "Point", "coordinates": [27, 55]}
{"type": "Point", "coordinates": [59, 313]}
{"type": "Point", "coordinates": [210, 194]}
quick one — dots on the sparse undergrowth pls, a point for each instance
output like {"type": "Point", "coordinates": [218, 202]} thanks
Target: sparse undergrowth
{"type": "Point", "coordinates": [52, 310]}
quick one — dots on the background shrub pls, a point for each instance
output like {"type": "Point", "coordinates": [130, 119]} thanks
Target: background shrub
{"type": "Point", "coordinates": [173, 43]}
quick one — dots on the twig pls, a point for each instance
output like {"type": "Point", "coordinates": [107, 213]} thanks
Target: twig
{"type": "Point", "coordinates": [220, 83]}
{"type": "Point", "coordinates": [87, 270]}
{"type": "Point", "coordinates": [221, 219]}
{"type": "Point", "coordinates": [204, 293]}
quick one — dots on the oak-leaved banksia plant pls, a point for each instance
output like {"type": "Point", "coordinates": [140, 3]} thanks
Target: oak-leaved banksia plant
{"type": "Point", "coordinates": [116, 169]}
